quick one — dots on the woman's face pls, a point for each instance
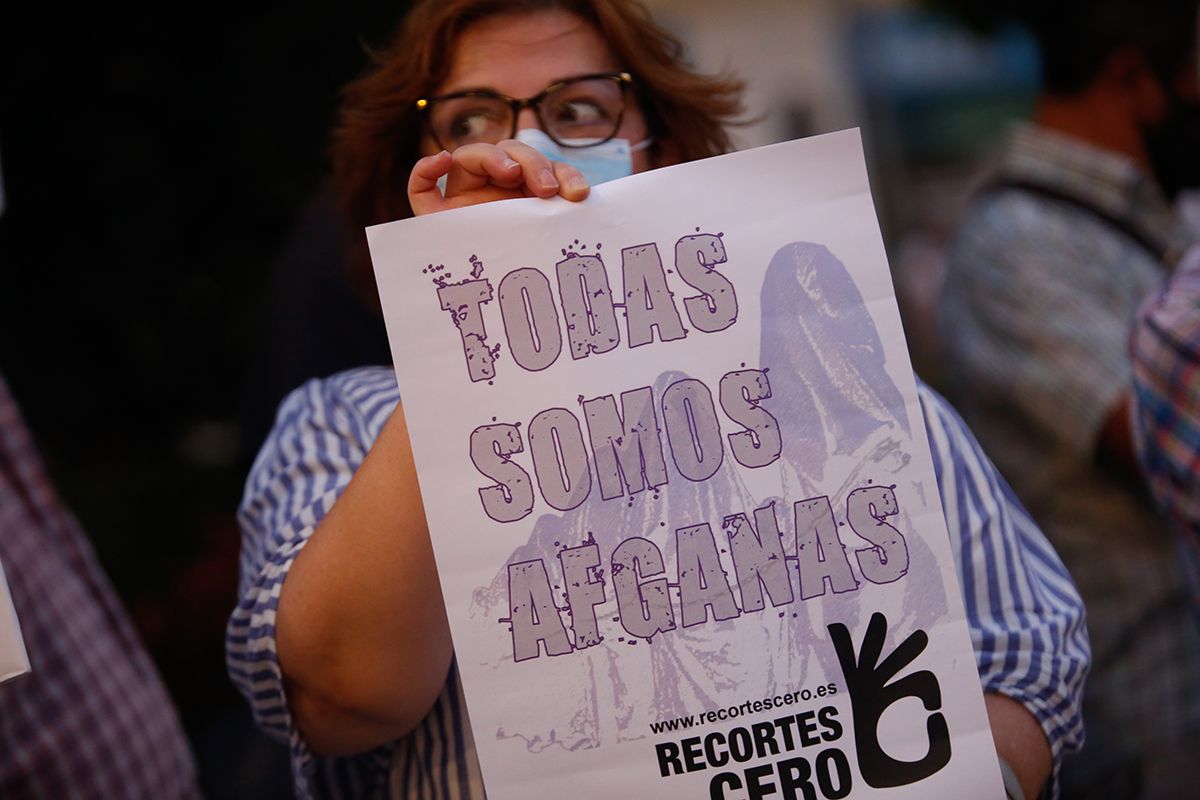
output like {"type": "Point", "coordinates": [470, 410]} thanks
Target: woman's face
{"type": "Point", "coordinates": [521, 54]}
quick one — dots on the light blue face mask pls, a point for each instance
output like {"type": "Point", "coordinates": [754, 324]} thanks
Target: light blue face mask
{"type": "Point", "coordinates": [599, 163]}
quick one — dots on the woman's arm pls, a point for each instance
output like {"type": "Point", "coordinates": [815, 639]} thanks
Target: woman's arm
{"type": "Point", "coordinates": [321, 436]}
{"type": "Point", "coordinates": [361, 631]}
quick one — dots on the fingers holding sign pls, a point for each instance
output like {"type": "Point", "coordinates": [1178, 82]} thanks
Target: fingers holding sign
{"type": "Point", "coordinates": [481, 173]}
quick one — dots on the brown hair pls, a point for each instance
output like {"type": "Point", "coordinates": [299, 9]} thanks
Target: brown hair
{"type": "Point", "coordinates": [376, 141]}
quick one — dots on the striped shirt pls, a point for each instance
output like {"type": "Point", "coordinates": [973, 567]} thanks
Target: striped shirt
{"type": "Point", "coordinates": [1165, 347]}
{"type": "Point", "coordinates": [1024, 614]}
{"type": "Point", "coordinates": [92, 719]}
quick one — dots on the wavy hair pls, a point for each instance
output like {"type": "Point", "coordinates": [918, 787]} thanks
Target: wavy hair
{"type": "Point", "coordinates": [375, 143]}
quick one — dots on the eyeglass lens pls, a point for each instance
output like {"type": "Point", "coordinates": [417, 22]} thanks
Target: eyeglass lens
{"type": "Point", "coordinates": [579, 113]}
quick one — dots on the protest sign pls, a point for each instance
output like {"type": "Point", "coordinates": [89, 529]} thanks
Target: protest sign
{"type": "Point", "coordinates": [13, 659]}
{"type": "Point", "coordinates": [680, 494]}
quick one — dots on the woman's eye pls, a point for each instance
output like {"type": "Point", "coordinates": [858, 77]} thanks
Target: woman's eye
{"type": "Point", "coordinates": [477, 122]}
{"type": "Point", "coordinates": [469, 125]}
{"type": "Point", "coordinates": [579, 112]}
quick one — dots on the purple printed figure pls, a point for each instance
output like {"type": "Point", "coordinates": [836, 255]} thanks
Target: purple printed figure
{"type": "Point", "coordinates": [826, 359]}
{"type": "Point", "coordinates": [839, 414]}
{"type": "Point", "coordinates": [839, 411]}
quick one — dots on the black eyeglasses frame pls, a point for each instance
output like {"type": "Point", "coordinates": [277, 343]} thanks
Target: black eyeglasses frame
{"type": "Point", "coordinates": [623, 79]}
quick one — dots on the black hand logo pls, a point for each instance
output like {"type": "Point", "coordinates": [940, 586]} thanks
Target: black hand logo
{"type": "Point", "coordinates": [871, 695]}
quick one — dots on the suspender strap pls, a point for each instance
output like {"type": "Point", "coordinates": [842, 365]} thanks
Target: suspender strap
{"type": "Point", "coordinates": [1161, 251]}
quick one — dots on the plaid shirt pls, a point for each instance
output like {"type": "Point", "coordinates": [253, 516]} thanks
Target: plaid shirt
{"type": "Point", "coordinates": [1024, 614]}
{"type": "Point", "coordinates": [1040, 295]}
{"type": "Point", "coordinates": [1165, 346]}
{"type": "Point", "coordinates": [92, 719]}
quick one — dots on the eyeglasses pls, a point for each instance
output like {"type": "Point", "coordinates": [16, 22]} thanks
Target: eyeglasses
{"type": "Point", "coordinates": [576, 112]}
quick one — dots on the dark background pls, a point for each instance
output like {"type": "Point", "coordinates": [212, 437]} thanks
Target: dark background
{"type": "Point", "coordinates": [154, 164]}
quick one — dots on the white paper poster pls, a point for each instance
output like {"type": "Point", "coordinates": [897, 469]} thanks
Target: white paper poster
{"type": "Point", "coordinates": [13, 659]}
{"type": "Point", "coordinates": [679, 489]}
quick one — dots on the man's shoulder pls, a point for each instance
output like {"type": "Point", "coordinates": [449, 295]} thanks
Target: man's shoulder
{"type": "Point", "coordinates": [1053, 196]}
{"type": "Point", "coordinates": [1008, 217]}
{"type": "Point", "coordinates": [1013, 241]}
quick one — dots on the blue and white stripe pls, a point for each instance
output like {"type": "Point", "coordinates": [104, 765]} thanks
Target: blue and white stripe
{"type": "Point", "coordinates": [1024, 613]}
{"type": "Point", "coordinates": [1025, 616]}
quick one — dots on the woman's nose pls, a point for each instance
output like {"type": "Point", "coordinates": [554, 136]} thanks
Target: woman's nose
{"type": "Point", "coordinates": [527, 118]}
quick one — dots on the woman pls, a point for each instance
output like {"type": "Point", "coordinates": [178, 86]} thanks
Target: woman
{"type": "Point", "coordinates": [350, 656]}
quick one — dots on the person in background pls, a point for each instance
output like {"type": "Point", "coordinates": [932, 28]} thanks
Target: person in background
{"type": "Point", "coordinates": [339, 641]}
{"type": "Point", "coordinates": [1044, 278]}
{"type": "Point", "coordinates": [92, 719]}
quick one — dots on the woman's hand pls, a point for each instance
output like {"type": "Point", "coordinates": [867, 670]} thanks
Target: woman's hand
{"type": "Point", "coordinates": [480, 173]}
